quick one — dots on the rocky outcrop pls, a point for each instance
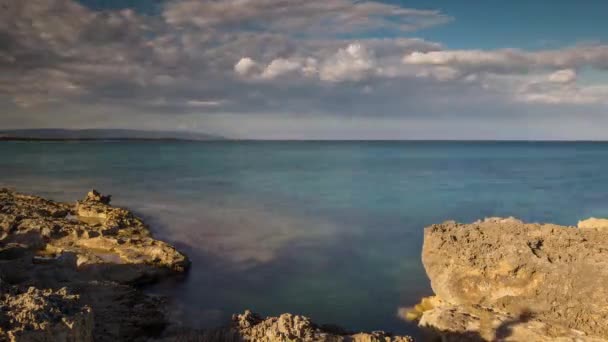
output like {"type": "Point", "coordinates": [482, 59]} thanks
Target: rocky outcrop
{"type": "Point", "coordinates": [593, 223]}
{"type": "Point", "coordinates": [79, 261]}
{"type": "Point", "coordinates": [286, 327]}
{"type": "Point", "coordinates": [71, 273]}
{"type": "Point", "coordinates": [82, 261]}
{"type": "Point", "coordinates": [44, 315]}
{"type": "Point", "coordinates": [508, 280]}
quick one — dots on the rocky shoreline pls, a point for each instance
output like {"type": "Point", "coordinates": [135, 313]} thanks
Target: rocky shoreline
{"type": "Point", "coordinates": [70, 272]}
{"type": "Point", "coordinates": [73, 272]}
{"type": "Point", "coordinates": [501, 279]}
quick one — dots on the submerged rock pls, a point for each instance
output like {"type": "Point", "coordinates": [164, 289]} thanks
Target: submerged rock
{"type": "Point", "coordinates": [507, 280]}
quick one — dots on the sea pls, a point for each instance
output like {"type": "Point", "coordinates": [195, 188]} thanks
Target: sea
{"type": "Point", "coordinates": [331, 230]}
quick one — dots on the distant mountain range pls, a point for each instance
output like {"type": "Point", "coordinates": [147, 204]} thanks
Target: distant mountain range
{"type": "Point", "coordinates": [102, 134]}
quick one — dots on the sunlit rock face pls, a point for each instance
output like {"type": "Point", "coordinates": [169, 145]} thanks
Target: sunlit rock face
{"type": "Point", "coordinates": [593, 223]}
{"type": "Point", "coordinates": [499, 273]}
{"type": "Point", "coordinates": [94, 232]}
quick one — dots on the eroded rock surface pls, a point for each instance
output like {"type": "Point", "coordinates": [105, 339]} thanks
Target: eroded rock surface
{"type": "Point", "coordinates": [505, 279]}
{"type": "Point", "coordinates": [88, 255]}
{"type": "Point", "coordinates": [286, 327]}
{"type": "Point", "coordinates": [44, 315]}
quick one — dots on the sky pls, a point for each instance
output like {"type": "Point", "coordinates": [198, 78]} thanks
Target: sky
{"type": "Point", "coordinates": [314, 69]}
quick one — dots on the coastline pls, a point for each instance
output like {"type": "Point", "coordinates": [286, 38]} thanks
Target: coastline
{"type": "Point", "coordinates": [85, 265]}
{"type": "Point", "coordinates": [75, 272]}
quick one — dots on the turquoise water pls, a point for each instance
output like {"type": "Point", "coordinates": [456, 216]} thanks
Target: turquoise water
{"type": "Point", "coordinates": [332, 230]}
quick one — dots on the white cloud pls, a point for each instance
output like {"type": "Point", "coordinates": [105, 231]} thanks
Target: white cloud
{"type": "Point", "coordinates": [353, 63]}
{"type": "Point", "coordinates": [514, 60]}
{"type": "Point", "coordinates": [563, 97]}
{"type": "Point", "coordinates": [245, 66]}
{"type": "Point", "coordinates": [204, 103]}
{"type": "Point", "coordinates": [282, 66]}
{"type": "Point", "coordinates": [560, 88]}
{"type": "Point", "coordinates": [546, 77]}
{"type": "Point", "coordinates": [563, 76]}
{"type": "Point", "coordinates": [504, 61]}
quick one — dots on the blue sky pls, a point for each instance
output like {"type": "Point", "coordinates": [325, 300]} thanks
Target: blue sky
{"type": "Point", "coordinates": [491, 24]}
{"type": "Point", "coordinates": [318, 69]}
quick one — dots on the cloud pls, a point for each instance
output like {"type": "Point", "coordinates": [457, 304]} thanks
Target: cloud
{"type": "Point", "coordinates": [547, 77]}
{"type": "Point", "coordinates": [245, 66]}
{"type": "Point", "coordinates": [249, 58]}
{"type": "Point", "coordinates": [58, 49]}
{"type": "Point", "coordinates": [475, 60]}
{"type": "Point", "coordinates": [562, 93]}
{"type": "Point", "coordinates": [303, 17]}
{"type": "Point", "coordinates": [441, 73]}
{"type": "Point", "coordinates": [352, 63]}
{"type": "Point", "coordinates": [563, 76]}
{"type": "Point", "coordinates": [282, 66]}
{"type": "Point", "coordinates": [513, 60]}
{"type": "Point", "coordinates": [558, 88]}
{"type": "Point", "coordinates": [566, 96]}
{"type": "Point", "coordinates": [204, 103]}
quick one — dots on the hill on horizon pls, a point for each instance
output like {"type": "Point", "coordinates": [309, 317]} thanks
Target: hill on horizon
{"type": "Point", "coordinates": [102, 134]}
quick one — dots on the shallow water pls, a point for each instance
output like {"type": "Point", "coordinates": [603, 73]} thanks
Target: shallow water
{"type": "Point", "coordinates": [332, 230]}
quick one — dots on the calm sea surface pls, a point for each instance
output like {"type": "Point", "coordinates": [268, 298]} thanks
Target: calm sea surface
{"type": "Point", "coordinates": [332, 230]}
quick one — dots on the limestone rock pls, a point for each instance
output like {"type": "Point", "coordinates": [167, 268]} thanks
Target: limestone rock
{"type": "Point", "coordinates": [593, 223]}
{"type": "Point", "coordinates": [555, 273]}
{"type": "Point", "coordinates": [474, 323]}
{"type": "Point", "coordinates": [94, 196]}
{"type": "Point", "coordinates": [288, 327]}
{"type": "Point", "coordinates": [96, 232]}
{"type": "Point", "coordinates": [93, 250]}
{"type": "Point", "coordinates": [44, 315]}
{"type": "Point", "coordinates": [249, 326]}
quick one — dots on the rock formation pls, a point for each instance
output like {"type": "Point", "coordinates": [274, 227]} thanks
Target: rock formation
{"type": "Point", "coordinates": [503, 279]}
{"type": "Point", "coordinates": [68, 271]}
{"type": "Point", "coordinates": [44, 315]}
{"type": "Point", "coordinates": [286, 327]}
{"type": "Point", "coordinates": [71, 273]}
{"type": "Point", "coordinates": [593, 223]}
